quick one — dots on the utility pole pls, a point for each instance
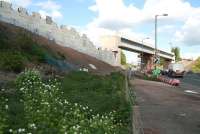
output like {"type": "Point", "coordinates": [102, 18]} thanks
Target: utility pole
{"type": "Point", "coordinates": [156, 48]}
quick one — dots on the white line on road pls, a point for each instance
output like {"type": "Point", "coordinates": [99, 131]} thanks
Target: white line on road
{"type": "Point", "coordinates": [190, 91]}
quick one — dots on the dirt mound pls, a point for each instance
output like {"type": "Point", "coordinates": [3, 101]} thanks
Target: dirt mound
{"type": "Point", "coordinates": [72, 57]}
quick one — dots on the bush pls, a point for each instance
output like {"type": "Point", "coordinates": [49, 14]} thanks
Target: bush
{"type": "Point", "coordinates": [196, 66]}
{"type": "Point", "coordinates": [47, 111]}
{"type": "Point", "coordinates": [12, 61]}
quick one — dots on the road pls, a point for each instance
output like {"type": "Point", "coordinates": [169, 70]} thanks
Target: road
{"type": "Point", "coordinates": [165, 109]}
{"type": "Point", "coordinates": [190, 82]}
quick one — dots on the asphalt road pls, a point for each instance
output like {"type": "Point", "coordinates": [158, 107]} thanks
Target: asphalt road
{"type": "Point", "coordinates": [167, 110]}
{"type": "Point", "coordinates": [190, 82]}
{"type": "Point", "coordinates": [192, 78]}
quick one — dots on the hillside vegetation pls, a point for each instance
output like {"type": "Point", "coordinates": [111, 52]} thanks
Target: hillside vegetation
{"type": "Point", "coordinates": [18, 50]}
{"type": "Point", "coordinates": [30, 50]}
{"type": "Point", "coordinates": [76, 102]}
{"type": "Point", "coordinates": [79, 103]}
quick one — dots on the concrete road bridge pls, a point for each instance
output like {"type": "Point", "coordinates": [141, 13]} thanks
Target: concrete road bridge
{"type": "Point", "coordinates": [116, 43]}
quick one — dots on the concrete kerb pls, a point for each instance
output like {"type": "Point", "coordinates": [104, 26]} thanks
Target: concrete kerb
{"type": "Point", "coordinates": [136, 126]}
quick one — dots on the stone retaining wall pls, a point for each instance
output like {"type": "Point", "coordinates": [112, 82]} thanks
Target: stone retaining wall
{"type": "Point", "coordinates": [62, 35]}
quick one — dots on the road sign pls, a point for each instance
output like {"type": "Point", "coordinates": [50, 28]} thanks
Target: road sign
{"type": "Point", "coordinates": [157, 60]}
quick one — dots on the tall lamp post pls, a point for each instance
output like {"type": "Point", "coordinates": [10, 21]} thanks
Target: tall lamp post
{"type": "Point", "coordinates": [156, 48]}
{"type": "Point", "coordinates": [142, 56]}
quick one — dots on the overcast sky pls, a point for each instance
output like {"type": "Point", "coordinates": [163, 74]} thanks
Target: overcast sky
{"type": "Point", "coordinates": [132, 17]}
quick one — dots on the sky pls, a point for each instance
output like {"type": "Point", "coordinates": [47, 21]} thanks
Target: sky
{"type": "Point", "coordinates": [134, 18]}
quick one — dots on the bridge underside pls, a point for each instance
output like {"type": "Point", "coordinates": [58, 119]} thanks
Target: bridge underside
{"type": "Point", "coordinates": [116, 43]}
{"type": "Point", "coordinates": [147, 60]}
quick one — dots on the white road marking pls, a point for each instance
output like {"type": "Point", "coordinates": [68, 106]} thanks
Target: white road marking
{"type": "Point", "coordinates": [190, 91]}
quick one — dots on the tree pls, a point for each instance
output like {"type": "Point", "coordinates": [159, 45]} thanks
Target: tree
{"type": "Point", "coordinates": [196, 66]}
{"type": "Point", "coordinates": [123, 58]}
{"type": "Point", "coordinates": [176, 51]}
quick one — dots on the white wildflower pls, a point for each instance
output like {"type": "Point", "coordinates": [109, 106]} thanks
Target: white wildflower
{"type": "Point", "coordinates": [6, 106]}
{"type": "Point", "coordinates": [10, 130]}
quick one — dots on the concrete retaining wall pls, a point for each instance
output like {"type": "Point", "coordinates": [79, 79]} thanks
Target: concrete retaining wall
{"type": "Point", "coordinates": [62, 35]}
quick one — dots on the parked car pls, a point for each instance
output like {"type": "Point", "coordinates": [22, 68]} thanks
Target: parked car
{"type": "Point", "coordinates": [176, 70]}
{"type": "Point", "coordinates": [164, 71]}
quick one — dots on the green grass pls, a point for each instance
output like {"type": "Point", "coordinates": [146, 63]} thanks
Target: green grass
{"type": "Point", "coordinates": [18, 49]}
{"type": "Point", "coordinates": [103, 94]}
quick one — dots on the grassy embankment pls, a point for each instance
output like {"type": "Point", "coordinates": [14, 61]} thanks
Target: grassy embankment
{"type": "Point", "coordinates": [38, 106]}
{"type": "Point", "coordinates": [93, 103]}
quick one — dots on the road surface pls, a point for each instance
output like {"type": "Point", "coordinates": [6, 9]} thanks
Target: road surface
{"type": "Point", "coordinates": [191, 81]}
{"type": "Point", "coordinates": [167, 110]}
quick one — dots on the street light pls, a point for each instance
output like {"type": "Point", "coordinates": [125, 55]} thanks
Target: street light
{"type": "Point", "coordinates": [156, 17]}
{"type": "Point", "coordinates": [142, 62]}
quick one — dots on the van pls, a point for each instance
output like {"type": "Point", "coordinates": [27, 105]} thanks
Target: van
{"type": "Point", "coordinates": [176, 70]}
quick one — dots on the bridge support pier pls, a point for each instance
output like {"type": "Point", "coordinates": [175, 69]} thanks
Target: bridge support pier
{"type": "Point", "coordinates": [147, 62]}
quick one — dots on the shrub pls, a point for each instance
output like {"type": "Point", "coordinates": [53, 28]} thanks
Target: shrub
{"type": "Point", "coordinates": [196, 66]}
{"type": "Point", "coordinates": [12, 61]}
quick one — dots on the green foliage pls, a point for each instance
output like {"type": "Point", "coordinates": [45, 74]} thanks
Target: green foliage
{"type": "Point", "coordinates": [196, 66]}
{"type": "Point", "coordinates": [156, 72]}
{"type": "Point", "coordinates": [176, 51]}
{"type": "Point", "coordinates": [123, 58]}
{"type": "Point", "coordinates": [102, 93]}
{"type": "Point", "coordinates": [3, 111]}
{"type": "Point", "coordinates": [18, 49]}
{"type": "Point", "coordinates": [12, 61]}
{"type": "Point", "coordinates": [40, 108]}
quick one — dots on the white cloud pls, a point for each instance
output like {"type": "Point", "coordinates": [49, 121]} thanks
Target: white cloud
{"type": "Point", "coordinates": [94, 33]}
{"type": "Point", "coordinates": [7, 0]}
{"type": "Point", "coordinates": [22, 3]}
{"type": "Point", "coordinates": [93, 8]}
{"type": "Point", "coordinates": [114, 15]}
{"type": "Point", "coordinates": [50, 8]}
{"type": "Point", "coordinates": [167, 29]}
{"type": "Point", "coordinates": [190, 55]}
{"type": "Point", "coordinates": [48, 5]}
{"type": "Point", "coordinates": [190, 31]}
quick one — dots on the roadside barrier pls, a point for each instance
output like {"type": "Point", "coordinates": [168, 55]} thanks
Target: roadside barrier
{"type": "Point", "coordinates": [171, 81]}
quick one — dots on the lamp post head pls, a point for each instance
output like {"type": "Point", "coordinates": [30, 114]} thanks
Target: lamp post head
{"type": "Point", "coordinates": [165, 14]}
